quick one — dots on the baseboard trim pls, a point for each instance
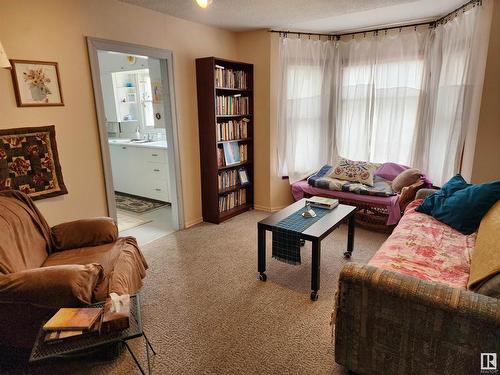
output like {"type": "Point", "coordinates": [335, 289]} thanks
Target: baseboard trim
{"type": "Point", "coordinates": [192, 223]}
{"type": "Point", "coordinates": [268, 209]}
{"type": "Point", "coordinates": [261, 208]}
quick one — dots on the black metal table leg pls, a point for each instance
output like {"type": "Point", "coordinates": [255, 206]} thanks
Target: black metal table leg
{"type": "Point", "coordinates": [134, 357]}
{"type": "Point", "coordinates": [149, 343]}
{"type": "Point", "coordinates": [316, 267]}
{"type": "Point", "coordinates": [261, 267]}
{"type": "Point", "coordinates": [350, 237]}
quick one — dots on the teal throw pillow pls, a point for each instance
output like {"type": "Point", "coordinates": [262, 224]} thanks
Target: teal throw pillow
{"type": "Point", "coordinates": [462, 205]}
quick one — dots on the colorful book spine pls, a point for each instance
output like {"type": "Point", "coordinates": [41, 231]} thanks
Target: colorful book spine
{"type": "Point", "coordinates": [232, 105]}
{"type": "Point", "coordinates": [232, 130]}
{"type": "Point", "coordinates": [229, 78]}
{"type": "Point", "coordinates": [232, 200]}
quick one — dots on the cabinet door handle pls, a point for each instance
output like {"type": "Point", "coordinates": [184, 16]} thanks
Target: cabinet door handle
{"type": "Point", "coordinates": [158, 189]}
{"type": "Point", "coordinates": [156, 170]}
{"type": "Point", "coordinates": [154, 154]}
{"type": "Point", "coordinates": [124, 148]}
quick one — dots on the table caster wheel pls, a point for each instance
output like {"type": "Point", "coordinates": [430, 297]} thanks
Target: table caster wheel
{"type": "Point", "coordinates": [314, 296]}
{"type": "Point", "coordinates": [347, 254]}
{"type": "Point", "coordinates": [262, 277]}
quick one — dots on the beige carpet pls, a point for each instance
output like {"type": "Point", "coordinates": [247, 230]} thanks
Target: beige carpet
{"type": "Point", "coordinates": [206, 312]}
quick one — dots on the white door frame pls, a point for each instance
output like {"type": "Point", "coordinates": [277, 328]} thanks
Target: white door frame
{"type": "Point", "coordinates": [172, 130]}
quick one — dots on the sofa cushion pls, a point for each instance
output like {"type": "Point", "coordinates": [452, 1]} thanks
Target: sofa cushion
{"type": "Point", "coordinates": [406, 178]}
{"type": "Point", "coordinates": [485, 262]}
{"type": "Point", "coordinates": [454, 184]}
{"type": "Point", "coordinates": [423, 247]}
{"type": "Point", "coordinates": [84, 232]}
{"type": "Point", "coordinates": [463, 208]}
{"type": "Point", "coordinates": [355, 171]}
{"type": "Point", "coordinates": [123, 264]}
{"type": "Point", "coordinates": [22, 243]}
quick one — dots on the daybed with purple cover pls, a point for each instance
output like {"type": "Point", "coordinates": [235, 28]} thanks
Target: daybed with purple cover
{"type": "Point", "coordinates": [378, 205]}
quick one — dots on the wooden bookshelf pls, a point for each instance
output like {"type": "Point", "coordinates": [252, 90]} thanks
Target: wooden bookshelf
{"type": "Point", "coordinates": [209, 119]}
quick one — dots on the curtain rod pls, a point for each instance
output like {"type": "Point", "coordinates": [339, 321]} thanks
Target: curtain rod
{"type": "Point", "coordinates": [431, 24]}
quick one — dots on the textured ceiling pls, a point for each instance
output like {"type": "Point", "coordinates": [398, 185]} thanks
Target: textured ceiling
{"type": "Point", "coordinates": [303, 15]}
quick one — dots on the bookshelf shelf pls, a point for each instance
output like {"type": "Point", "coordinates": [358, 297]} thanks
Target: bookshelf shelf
{"type": "Point", "coordinates": [235, 140]}
{"type": "Point", "coordinates": [232, 188]}
{"type": "Point", "coordinates": [220, 116]}
{"type": "Point", "coordinates": [223, 167]}
{"type": "Point", "coordinates": [232, 89]}
{"type": "Point", "coordinates": [214, 78]}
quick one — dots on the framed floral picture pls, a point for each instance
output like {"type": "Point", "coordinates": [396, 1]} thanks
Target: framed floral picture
{"type": "Point", "coordinates": [36, 83]}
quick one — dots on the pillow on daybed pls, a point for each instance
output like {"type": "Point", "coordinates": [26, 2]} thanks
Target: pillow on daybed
{"type": "Point", "coordinates": [406, 178]}
{"type": "Point", "coordinates": [461, 205]}
{"type": "Point", "coordinates": [355, 171]}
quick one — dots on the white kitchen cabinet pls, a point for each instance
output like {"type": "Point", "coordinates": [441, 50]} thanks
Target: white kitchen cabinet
{"type": "Point", "coordinates": [140, 170]}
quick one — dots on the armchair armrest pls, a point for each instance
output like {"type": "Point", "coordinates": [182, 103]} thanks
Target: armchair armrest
{"type": "Point", "coordinates": [389, 323]}
{"type": "Point", "coordinates": [84, 233]}
{"type": "Point", "coordinates": [51, 287]}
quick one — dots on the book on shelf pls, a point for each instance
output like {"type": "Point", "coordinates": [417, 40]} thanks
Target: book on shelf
{"type": "Point", "coordinates": [321, 202]}
{"type": "Point", "coordinates": [232, 200]}
{"type": "Point", "coordinates": [229, 78]}
{"type": "Point", "coordinates": [232, 153]}
{"type": "Point", "coordinates": [227, 179]}
{"type": "Point", "coordinates": [73, 319]}
{"type": "Point", "coordinates": [232, 105]}
{"type": "Point", "coordinates": [231, 130]}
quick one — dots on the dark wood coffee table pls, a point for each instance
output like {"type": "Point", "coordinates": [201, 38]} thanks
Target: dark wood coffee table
{"type": "Point", "coordinates": [315, 233]}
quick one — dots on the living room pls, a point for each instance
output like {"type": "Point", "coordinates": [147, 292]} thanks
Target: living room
{"type": "Point", "coordinates": [327, 83]}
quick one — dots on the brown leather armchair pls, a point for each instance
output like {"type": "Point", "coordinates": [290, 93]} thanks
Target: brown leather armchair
{"type": "Point", "coordinates": [43, 268]}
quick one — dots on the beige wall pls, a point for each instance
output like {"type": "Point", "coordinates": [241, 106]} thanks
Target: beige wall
{"type": "Point", "coordinates": [260, 48]}
{"type": "Point", "coordinates": [55, 30]}
{"type": "Point", "coordinates": [254, 48]}
{"type": "Point", "coordinates": [486, 166]}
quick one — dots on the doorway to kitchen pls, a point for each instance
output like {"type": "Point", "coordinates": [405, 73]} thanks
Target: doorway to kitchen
{"type": "Point", "coordinates": [135, 103]}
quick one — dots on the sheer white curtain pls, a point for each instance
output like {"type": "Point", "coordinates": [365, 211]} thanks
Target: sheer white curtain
{"type": "Point", "coordinates": [305, 131]}
{"type": "Point", "coordinates": [456, 58]}
{"type": "Point", "coordinates": [409, 97]}
{"type": "Point", "coordinates": [381, 86]}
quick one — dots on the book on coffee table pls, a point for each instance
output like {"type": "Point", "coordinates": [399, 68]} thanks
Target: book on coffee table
{"type": "Point", "coordinates": [322, 202]}
{"type": "Point", "coordinates": [73, 319]}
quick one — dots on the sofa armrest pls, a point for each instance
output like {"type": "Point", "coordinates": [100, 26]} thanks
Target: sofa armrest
{"type": "Point", "coordinates": [424, 193]}
{"type": "Point", "coordinates": [84, 233]}
{"type": "Point", "coordinates": [390, 323]}
{"type": "Point", "coordinates": [51, 287]}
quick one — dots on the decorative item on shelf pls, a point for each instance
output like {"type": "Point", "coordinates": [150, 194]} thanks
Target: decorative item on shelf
{"type": "Point", "coordinates": [242, 174]}
{"type": "Point", "coordinates": [29, 162]}
{"type": "Point", "coordinates": [36, 83]}
{"type": "Point", "coordinates": [309, 212]}
{"type": "Point", "coordinates": [4, 61]}
{"type": "Point", "coordinates": [157, 92]}
{"type": "Point", "coordinates": [131, 60]}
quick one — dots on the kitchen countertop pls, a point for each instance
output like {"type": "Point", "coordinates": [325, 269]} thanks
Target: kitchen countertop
{"type": "Point", "coordinates": [126, 142]}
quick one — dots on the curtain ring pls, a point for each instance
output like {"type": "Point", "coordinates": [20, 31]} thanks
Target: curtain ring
{"type": "Point", "coordinates": [400, 29]}
{"type": "Point", "coordinates": [385, 31]}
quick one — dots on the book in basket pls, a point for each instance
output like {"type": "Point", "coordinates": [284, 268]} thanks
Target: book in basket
{"type": "Point", "coordinates": [73, 319]}
{"type": "Point", "coordinates": [321, 202]}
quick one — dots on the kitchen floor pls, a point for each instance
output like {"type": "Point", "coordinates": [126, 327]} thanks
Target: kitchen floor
{"type": "Point", "coordinates": [148, 226]}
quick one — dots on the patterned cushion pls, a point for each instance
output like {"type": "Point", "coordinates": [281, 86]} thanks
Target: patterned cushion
{"type": "Point", "coordinates": [425, 248]}
{"type": "Point", "coordinates": [356, 171]}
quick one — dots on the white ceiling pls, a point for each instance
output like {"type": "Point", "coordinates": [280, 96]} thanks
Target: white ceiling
{"type": "Point", "coordinates": [303, 15]}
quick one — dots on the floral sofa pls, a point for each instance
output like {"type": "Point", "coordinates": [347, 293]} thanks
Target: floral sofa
{"type": "Point", "coordinates": [408, 311]}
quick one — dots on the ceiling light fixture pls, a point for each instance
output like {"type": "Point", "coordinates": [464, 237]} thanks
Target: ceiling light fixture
{"type": "Point", "coordinates": [203, 3]}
